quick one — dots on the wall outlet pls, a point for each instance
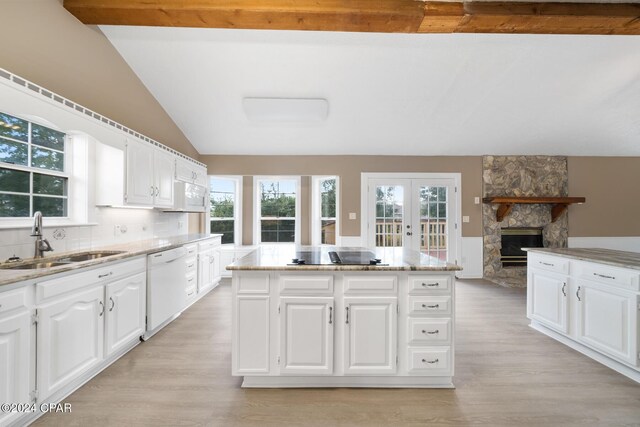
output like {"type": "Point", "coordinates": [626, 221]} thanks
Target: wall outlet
{"type": "Point", "coordinates": [465, 219]}
{"type": "Point", "coordinates": [476, 200]}
{"type": "Point", "coordinates": [352, 215]}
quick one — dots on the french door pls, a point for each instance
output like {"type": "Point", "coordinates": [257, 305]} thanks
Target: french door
{"type": "Point", "coordinates": [415, 213]}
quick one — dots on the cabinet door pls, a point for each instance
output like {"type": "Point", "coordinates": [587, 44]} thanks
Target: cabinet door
{"type": "Point", "coordinates": [14, 361]}
{"type": "Point", "coordinates": [140, 187]}
{"type": "Point", "coordinates": [200, 176]}
{"type": "Point", "coordinates": [225, 258]}
{"type": "Point", "coordinates": [205, 270]}
{"type": "Point", "coordinates": [250, 342]}
{"type": "Point", "coordinates": [70, 339]}
{"type": "Point", "coordinates": [163, 179]}
{"type": "Point", "coordinates": [370, 335]}
{"type": "Point", "coordinates": [608, 320]}
{"type": "Point", "coordinates": [547, 300]}
{"type": "Point", "coordinates": [306, 336]}
{"type": "Point", "coordinates": [216, 266]}
{"type": "Point", "coordinates": [126, 311]}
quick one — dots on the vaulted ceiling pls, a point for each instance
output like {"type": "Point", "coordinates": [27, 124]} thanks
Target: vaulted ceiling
{"type": "Point", "coordinates": [422, 94]}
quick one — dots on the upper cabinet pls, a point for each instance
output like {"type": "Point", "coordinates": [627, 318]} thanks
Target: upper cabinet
{"type": "Point", "coordinates": [149, 173]}
{"type": "Point", "coordinates": [190, 172]}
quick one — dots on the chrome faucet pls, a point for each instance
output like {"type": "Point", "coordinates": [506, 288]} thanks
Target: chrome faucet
{"type": "Point", "coordinates": [42, 245]}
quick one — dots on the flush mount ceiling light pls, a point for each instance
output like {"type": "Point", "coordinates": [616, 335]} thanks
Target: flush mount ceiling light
{"type": "Point", "coordinates": [292, 110]}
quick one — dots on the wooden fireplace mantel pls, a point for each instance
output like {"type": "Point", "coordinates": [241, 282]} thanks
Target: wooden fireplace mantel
{"type": "Point", "coordinates": [560, 204]}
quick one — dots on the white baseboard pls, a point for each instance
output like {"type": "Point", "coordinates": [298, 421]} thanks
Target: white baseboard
{"type": "Point", "coordinates": [630, 243]}
{"type": "Point", "coordinates": [472, 265]}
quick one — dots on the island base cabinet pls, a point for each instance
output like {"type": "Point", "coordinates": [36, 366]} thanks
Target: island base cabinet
{"type": "Point", "coordinates": [251, 322]}
{"type": "Point", "coordinates": [306, 336]}
{"type": "Point", "coordinates": [14, 361]}
{"type": "Point", "coordinates": [125, 316]}
{"type": "Point", "coordinates": [70, 339]}
{"type": "Point", "coordinates": [606, 320]}
{"type": "Point", "coordinates": [547, 300]}
{"type": "Point", "coordinates": [370, 336]}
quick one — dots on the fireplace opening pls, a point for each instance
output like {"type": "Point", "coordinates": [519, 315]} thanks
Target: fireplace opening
{"type": "Point", "coordinates": [515, 238]}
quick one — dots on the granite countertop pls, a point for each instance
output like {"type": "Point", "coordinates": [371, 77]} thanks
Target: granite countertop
{"type": "Point", "coordinates": [277, 257]}
{"type": "Point", "coordinates": [130, 249]}
{"type": "Point", "coordinates": [603, 256]}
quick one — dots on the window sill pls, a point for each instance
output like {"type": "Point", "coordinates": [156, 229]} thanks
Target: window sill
{"type": "Point", "coordinates": [11, 224]}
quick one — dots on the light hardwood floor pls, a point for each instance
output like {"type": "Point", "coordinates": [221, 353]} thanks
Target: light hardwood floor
{"type": "Point", "coordinates": [506, 375]}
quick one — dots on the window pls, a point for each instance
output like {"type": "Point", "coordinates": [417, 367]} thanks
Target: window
{"type": "Point", "coordinates": [277, 210]}
{"type": "Point", "coordinates": [225, 207]}
{"type": "Point", "coordinates": [32, 169]}
{"type": "Point", "coordinates": [325, 210]}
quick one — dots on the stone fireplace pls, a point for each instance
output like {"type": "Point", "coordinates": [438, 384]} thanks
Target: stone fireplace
{"type": "Point", "coordinates": [512, 242]}
{"type": "Point", "coordinates": [521, 176]}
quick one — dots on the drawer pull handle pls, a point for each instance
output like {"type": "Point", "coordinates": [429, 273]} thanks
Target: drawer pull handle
{"type": "Point", "coordinates": [431, 284]}
{"type": "Point", "coordinates": [431, 332]}
{"type": "Point", "coordinates": [190, 266]}
{"type": "Point", "coordinates": [547, 263]}
{"type": "Point", "coordinates": [430, 361]}
{"type": "Point", "coordinates": [604, 276]}
{"type": "Point", "coordinates": [102, 276]}
{"type": "Point", "coordinates": [578, 293]}
{"type": "Point", "coordinates": [430, 306]}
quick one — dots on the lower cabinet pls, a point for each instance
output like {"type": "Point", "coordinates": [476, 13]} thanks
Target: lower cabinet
{"type": "Point", "coordinates": [15, 356]}
{"type": "Point", "coordinates": [206, 261]}
{"type": "Point", "coordinates": [370, 335]}
{"type": "Point", "coordinates": [70, 339]}
{"type": "Point", "coordinates": [251, 330]}
{"type": "Point", "coordinates": [607, 318]}
{"type": "Point", "coordinates": [125, 316]}
{"type": "Point", "coordinates": [306, 335]}
{"type": "Point", "coordinates": [547, 299]}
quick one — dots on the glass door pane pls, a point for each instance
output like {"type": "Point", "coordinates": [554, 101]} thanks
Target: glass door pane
{"type": "Point", "coordinates": [389, 214]}
{"type": "Point", "coordinates": [433, 224]}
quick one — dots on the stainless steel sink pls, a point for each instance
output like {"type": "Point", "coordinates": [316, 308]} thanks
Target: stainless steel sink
{"type": "Point", "coordinates": [89, 256]}
{"type": "Point", "coordinates": [56, 262]}
{"type": "Point", "coordinates": [34, 265]}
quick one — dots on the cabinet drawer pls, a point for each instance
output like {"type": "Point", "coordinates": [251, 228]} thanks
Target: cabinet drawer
{"type": "Point", "coordinates": [429, 331]}
{"type": "Point", "coordinates": [192, 280]}
{"type": "Point", "coordinates": [306, 284]}
{"type": "Point", "coordinates": [209, 243]}
{"type": "Point", "coordinates": [430, 305]}
{"type": "Point", "coordinates": [426, 283]}
{"type": "Point", "coordinates": [192, 250]}
{"type": "Point", "coordinates": [191, 265]}
{"type": "Point", "coordinates": [427, 360]}
{"type": "Point", "coordinates": [549, 263]}
{"type": "Point", "coordinates": [251, 283]}
{"type": "Point", "coordinates": [371, 284]}
{"type": "Point", "coordinates": [602, 273]}
{"type": "Point", "coordinates": [105, 274]}
{"type": "Point", "coordinates": [11, 300]}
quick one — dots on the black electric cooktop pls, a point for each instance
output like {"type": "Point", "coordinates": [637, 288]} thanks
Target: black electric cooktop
{"type": "Point", "coordinates": [319, 257]}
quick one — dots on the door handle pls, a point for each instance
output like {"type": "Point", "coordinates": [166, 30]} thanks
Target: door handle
{"type": "Point", "coordinates": [564, 286]}
{"type": "Point", "coordinates": [347, 317]}
{"type": "Point", "coordinates": [113, 303]}
{"type": "Point", "coordinates": [102, 308]}
{"type": "Point", "coordinates": [330, 315]}
{"type": "Point", "coordinates": [578, 293]}
{"type": "Point", "coordinates": [152, 191]}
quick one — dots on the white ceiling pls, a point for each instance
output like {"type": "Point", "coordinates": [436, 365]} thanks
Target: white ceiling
{"type": "Point", "coordinates": [403, 94]}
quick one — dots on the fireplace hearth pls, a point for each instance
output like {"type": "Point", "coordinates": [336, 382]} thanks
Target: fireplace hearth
{"type": "Point", "coordinates": [514, 239]}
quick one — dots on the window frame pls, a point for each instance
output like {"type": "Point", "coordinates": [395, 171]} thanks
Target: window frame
{"type": "Point", "coordinates": [66, 173]}
{"type": "Point", "coordinates": [257, 218]}
{"type": "Point", "coordinates": [316, 210]}
{"type": "Point", "coordinates": [237, 212]}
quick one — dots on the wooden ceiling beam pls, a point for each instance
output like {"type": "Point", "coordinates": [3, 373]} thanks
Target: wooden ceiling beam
{"type": "Point", "coordinates": [386, 16]}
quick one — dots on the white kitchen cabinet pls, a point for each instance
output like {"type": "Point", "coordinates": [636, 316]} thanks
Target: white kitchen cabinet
{"type": "Point", "coordinates": [125, 315]}
{"type": "Point", "coordinates": [306, 335]}
{"type": "Point", "coordinates": [370, 335]}
{"type": "Point", "coordinates": [206, 261]}
{"type": "Point", "coordinates": [15, 355]}
{"type": "Point", "coordinates": [606, 318]}
{"type": "Point", "coordinates": [150, 173]}
{"type": "Point", "coordinates": [70, 339]}
{"type": "Point", "coordinates": [230, 254]}
{"type": "Point", "coordinates": [251, 330]}
{"type": "Point", "coordinates": [140, 187]}
{"type": "Point", "coordinates": [190, 172]}
{"type": "Point", "coordinates": [547, 299]}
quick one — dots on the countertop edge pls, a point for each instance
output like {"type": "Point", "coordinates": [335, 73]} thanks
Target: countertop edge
{"type": "Point", "coordinates": [340, 268]}
{"type": "Point", "coordinates": [565, 253]}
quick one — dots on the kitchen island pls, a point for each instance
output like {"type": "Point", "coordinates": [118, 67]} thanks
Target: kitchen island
{"type": "Point", "coordinates": [301, 320]}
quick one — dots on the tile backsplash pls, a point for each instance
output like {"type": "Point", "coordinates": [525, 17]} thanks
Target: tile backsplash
{"type": "Point", "coordinates": [113, 226]}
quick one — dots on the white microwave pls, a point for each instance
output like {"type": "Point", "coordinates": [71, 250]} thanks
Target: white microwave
{"type": "Point", "coordinates": [189, 197]}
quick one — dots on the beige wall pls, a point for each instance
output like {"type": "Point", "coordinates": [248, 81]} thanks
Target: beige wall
{"type": "Point", "coordinates": [611, 186]}
{"type": "Point", "coordinates": [349, 168]}
{"type": "Point", "coordinates": [45, 44]}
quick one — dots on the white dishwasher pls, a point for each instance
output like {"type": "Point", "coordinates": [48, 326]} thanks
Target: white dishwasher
{"type": "Point", "coordinates": [167, 280]}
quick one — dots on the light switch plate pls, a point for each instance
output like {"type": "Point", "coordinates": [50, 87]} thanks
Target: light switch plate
{"type": "Point", "coordinates": [465, 219]}
{"type": "Point", "coordinates": [352, 215]}
{"type": "Point", "coordinates": [476, 200]}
